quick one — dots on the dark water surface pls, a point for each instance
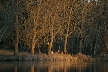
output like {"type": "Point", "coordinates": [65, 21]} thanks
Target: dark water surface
{"type": "Point", "coordinates": [32, 66]}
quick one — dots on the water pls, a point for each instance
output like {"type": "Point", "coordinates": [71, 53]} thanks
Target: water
{"type": "Point", "coordinates": [30, 66]}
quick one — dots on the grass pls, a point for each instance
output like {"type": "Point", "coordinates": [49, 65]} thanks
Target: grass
{"type": "Point", "coordinates": [6, 52]}
{"type": "Point", "coordinates": [8, 55]}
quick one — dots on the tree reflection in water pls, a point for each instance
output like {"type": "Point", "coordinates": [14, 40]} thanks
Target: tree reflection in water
{"type": "Point", "coordinates": [30, 66]}
{"type": "Point", "coordinates": [15, 67]}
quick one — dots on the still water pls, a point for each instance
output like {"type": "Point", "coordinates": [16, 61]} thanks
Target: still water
{"type": "Point", "coordinates": [32, 66]}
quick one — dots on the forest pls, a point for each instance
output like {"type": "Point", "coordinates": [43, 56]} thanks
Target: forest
{"type": "Point", "coordinates": [43, 26]}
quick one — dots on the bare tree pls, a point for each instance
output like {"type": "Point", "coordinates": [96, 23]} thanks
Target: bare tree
{"type": "Point", "coordinates": [13, 21]}
{"type": "Point", "coordinates": [70, 8]}
{"type": "Point", "coordinates": [10, 21]}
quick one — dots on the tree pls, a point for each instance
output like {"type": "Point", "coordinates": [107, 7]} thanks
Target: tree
{"type": "Point", "coordinates": [14, 10]}
{"type": "Point", "coordinates": [10, 21]}
{"type": "Point", "coordinates": [69, 19]}
{"type": "Point", "coordinates": [53, 16]}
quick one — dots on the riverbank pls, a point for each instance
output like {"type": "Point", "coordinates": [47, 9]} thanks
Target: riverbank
{"type": "Point", "coordinates": [46, 57]}
{"type": "Point", "coordinates": [6, 55]}
{"type": "Point", "coordinates": [102, 57]}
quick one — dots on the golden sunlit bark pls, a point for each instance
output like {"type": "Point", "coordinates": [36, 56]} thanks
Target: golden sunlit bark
{"type": "Point", "coordinates": [52, 36]}
{"type": "Point", "coordinates": [35, 19]}
{"type": "Point", "coordinates": [33, 42]}
{"type": "Point", "coordinates": [67, 29]}
{"type": "Point", "coordinates": [65, 41]}
{"type": "Point", "coordinates": [51, 42]}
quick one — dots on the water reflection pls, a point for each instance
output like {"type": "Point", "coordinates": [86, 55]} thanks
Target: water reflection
{"type": "Point", "coordinates": [30, 66]}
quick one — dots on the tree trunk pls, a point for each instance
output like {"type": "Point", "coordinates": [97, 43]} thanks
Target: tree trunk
{"type": "Point", "coordinates": [65, 44]}
{"type": "Point", "coordinates": [16, 39]}
{"type": "Point", "coordinates": [84, 13]}
{"type": "Point", "coordinates": [2, 32]}
{"type": "Point", "coordinates": [95, 50]}
{"type": "Point", "coordinates": [33, 42]}
{"type": "Point", "coordinates": [106, 41]}
{"type": "Point", "coordinates": [67, 32]}
{"type": "Point", "coordinates": [32, 51]}
{"type": "Point", "coordinates": [16, 48]}
{"type": "Point", "coordinates": [107, 45]}
{"type": "Point", "coordinates": [51, 42]}
{"type": "Point", "coordinates": [35, 18]}
{"type": "Point", "coordinates": [80, 48]}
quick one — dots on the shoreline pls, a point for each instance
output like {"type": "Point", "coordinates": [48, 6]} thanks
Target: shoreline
{"type": "Point", "coordinates": [50, 57]}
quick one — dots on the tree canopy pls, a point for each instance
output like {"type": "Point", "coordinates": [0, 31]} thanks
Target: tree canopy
{"type": "Point", "coordinates": [70, 26]}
